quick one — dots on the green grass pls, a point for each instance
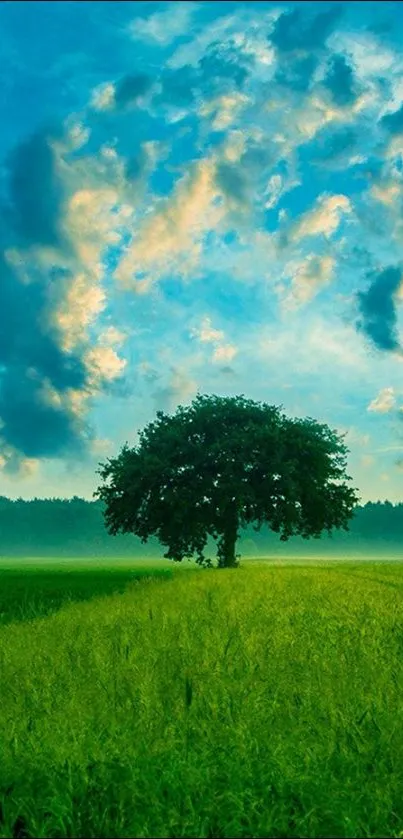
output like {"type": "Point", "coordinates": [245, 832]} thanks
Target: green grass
{"type": "Point", "coordinates": [262, 701]}
{"type": "Point", "coordinates": [30, 589]}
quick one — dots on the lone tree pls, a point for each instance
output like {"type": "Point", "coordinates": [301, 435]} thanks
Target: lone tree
{"type": "Point", "coordinates": [223, 463]}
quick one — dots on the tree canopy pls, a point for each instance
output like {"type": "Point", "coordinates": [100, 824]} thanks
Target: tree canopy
{"type": "Point", "coordinates": [223, 463]}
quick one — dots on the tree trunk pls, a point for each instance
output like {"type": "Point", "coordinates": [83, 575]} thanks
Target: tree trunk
{"type": "Point", "coordinates": [227, 542]}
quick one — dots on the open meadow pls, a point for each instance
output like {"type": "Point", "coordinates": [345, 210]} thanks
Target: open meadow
{"type": "Point", "coordinates": [140, 700]}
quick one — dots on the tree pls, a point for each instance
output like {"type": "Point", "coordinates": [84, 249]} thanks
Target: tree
{"type": "Point", "coordinates": [223, 463]}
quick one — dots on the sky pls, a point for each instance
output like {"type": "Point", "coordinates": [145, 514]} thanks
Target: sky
{"type": "Point", "coordinates": [198, 197]}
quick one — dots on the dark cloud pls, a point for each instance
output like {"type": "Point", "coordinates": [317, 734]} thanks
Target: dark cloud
{"type": "Point", "coordinates": [36, 371]}
{"type": "Point", "coordinates": [393, 122]}
{"type": "Point", "coordinates": [239, 181]}
{"type": "Point", "coordinates": [30, 356]}
{"type": "Point", "coordinates": [31, 426]}
{"type": "Point", "coordinates": [35, 193]}
{"type": "Point", "coordinates": [179, 86]}
{"type": "Point", "coordinates": [232, 181]}
{"type": "Point", "coordinates": [330, 146]}
{"type": "Point", "coordinates": [378, 309]}
{"type": "Point", "coordinates": [136, 165]}
{"type": "Point", "coordinates": [294, 30]}
{"type": "Point", "coordinates": [298, 73]}
{"type": "Point", "coordinates": [223, 65]}
{"type": "Point", "coordinates": [339, 80]}
{"type": "Point", "coordinates": [130, 88]}
{"type": "Point", "coordinates": [300, 40]}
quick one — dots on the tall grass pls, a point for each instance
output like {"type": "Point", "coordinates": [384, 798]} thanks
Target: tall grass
{"type": "Point", "coordinates": [29, 590]}
{"type": "Point", "coordinates": [263, 701]}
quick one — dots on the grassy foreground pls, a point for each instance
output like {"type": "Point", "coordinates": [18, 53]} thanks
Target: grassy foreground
{"type": "Point", "coordinates": [262, 701]}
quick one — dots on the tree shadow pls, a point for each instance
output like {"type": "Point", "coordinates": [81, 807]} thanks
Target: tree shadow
{"type": "Point", "coordinates": [30, 593]}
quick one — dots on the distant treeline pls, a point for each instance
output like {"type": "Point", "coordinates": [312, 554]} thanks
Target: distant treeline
{"type": "Point", "coordinates": [45, 527]}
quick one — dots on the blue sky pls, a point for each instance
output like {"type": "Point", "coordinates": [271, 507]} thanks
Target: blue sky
{"type": "Point", "coordinates": [198, 197]}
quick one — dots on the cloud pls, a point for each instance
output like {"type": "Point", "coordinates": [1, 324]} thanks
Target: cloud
{"type": "Point", "coordinates": [297, 73]}
{"type": "Point", "coordinates": [308, 276]}
{"type": "Point", "coordinates": [387, 194]}
{"type": "Point", "coordinates": [224, 65]}
{"type": "Point", "coordinates": [339, 80]}
{"type": "Point", "coordinates": [103, 365]}
{"type": "Point", "coordinates": [125, 93]}
{"type": "Point", "coordinates": [384, 402]}
{"type": "Point", "coordinates": [162, 28]}
{"type": "Point", "coordinates": [147, 371]}
{"type": "Point", "coordinates": [180, 389]}
{"type": "Point", "coordinates": [370, 56]}
{"type": "Point", "coordinates": [35, 193]}
{"type": "Point", "coordinates": [130, 89]}
{"type": "Point", "coordinates": [171, 238]}
{"type": "Point", "coordinates": [16, 467]}
{"type": "Point", "coordinates": [393, 122]}
{"type": "Point", "coordinates": [226, 53]}
{"type": "Point", "coordinates": [377, 306]}
{"type": "Point", "coordinates": [227, 370]}
{"type": "Point", "coordinates": [103, 97]}
{"type": "Point", "coordinates": [224, 353]}
{"type": "Point", "coordinates": [273, 191]}
{"type": "Point", "coordinates": [313, 345]}
{"type": "Point", "coordinates": [225, 110]}
{"type": "Point", "coordinates": [324, 219]}
{"type": "Point", "coordinates": [112, 336]}
{"type": "Point", "coordinates": [296, 30]}
{"type": "Point", "coordinates": [241, 174]}
{"type": "Point", "coordinates": [50, 287]}
{"type": "Point", "coordinates": [206, 334]}
{"type": "Point", "coordinates": [334, 148]}
{"type": "Point", "coordinates": [300, 41]}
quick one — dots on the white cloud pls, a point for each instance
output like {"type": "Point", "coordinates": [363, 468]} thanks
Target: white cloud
{"type": "Point", "coordinates": [77, 135]}
{"type": "Point", "coordinates": [247, 30]}
{"type": "Point", "coordinates": [112, 336]}
{"type": "Point", "coordinates": [225, 353]}
{"type": "Point", "coordinates": [273, 191]}
{"type": "Point", "coordinates": [163, 27]}
{"type": "Point", "coordinates": [93, 218]}
{"type": "Point", "coordinates": [103, 364]}
{"type": "Point", "coordinates": [314, 346]}
{"type": "Point", "coordinates": [170, 238]}
{"type": "Point", "coordinates": [387, 194]}
{"type": "Point", "coordinates": [15, 466]}
{"type": "Point", "coordinates": [225, 109]}
{"type": "Point", "coordinates": [192, 51]}
{"type": "Point", "coordinates": [103, 97]}
{"type": "Point", "coordinates": [323, 219]}
{"type": "Point", "coordinates": [206, 333]}
{"type": "Point", "coordinates": [383, 402]}
{"type": "Point", "coordinates": [308, 276]}
{"type": "Point", "coordinates": [371, 58]}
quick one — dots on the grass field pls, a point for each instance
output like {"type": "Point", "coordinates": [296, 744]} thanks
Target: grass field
{"type": "Point", "coordinates": [143, 701]}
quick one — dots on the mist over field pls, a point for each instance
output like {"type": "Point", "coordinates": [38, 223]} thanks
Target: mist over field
{"type": "Point", "coordinates": [56, 527]}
